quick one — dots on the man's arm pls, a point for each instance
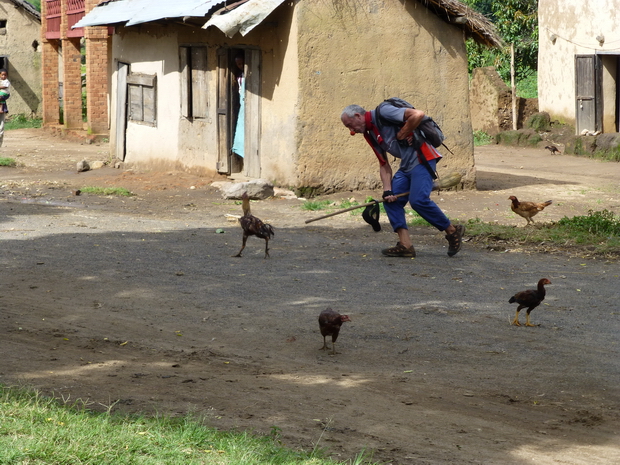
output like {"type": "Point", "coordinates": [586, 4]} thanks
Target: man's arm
{"type": "Point", "coordinates": [413, 118]}
{"type": "Point", "coordinates": [385, 173]}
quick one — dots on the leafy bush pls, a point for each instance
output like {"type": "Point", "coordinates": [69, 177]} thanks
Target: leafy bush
{"type": "Point", "coordinates": [599, 223]}
{"type": "Point", "coordinates": [597, 233]}
{"type": "Point", "coordinates": [482, 138]}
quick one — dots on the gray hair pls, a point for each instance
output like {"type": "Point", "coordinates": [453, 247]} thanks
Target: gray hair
{"type": "Point", "coordinates": [351, 110]}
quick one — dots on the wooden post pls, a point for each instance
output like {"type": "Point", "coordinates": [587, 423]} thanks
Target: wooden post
{"type": "Point", "coordinates": [513, 87]}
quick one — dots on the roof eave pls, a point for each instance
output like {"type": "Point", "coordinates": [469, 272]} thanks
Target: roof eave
{"type": "Point", "coordinates": [28, 8]}
{"type": "Point", "coordinates": [476, 25]}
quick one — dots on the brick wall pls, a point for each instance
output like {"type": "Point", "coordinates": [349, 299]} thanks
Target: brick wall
{"type": "Point", "coordinates": [97, 70]}
{"type": "Point", "coordinates": [49, 66]}
{"type": "Point", "coordinates": [50, 104]}
{"type": "Point", "coordinates": [97, 43]}
{"type": "Point", "coordinates": [72, 83]}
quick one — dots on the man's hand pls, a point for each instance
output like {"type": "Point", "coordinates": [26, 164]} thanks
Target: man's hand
{"type": "Point", "coordinates": [389, 196]}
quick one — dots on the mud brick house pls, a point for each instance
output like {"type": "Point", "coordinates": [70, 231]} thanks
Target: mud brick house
{"type": "Point", "coordinates": [20, 54]}
{"type": "Point", "coordinates": [173, 101]}
{"type": "Point", "coordinates": [579, 63]}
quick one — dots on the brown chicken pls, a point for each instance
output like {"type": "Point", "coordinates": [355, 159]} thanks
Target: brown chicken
{"type": "Point", "coordinates": [252, 226]}
{"type": "Point", "coordinates": [527, 209]}
{"type": "Point", "coordinates": [529, 299]}
{"type": "Point", "coordinates": [330, 322]}
{"type": "Point", "coordinates": [553, 149]}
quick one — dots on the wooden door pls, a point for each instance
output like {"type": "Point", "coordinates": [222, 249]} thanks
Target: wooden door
{"type": "Point", "coordinates": [588, 80]}
{"type": "Point", "coordinates": [225, 122]}
{"type": "Point", "coordinates": [121, 109]}
{"type": "Point", "coordinates": [251, 166]}
{"type": "Point", "coordinates": [223, 111]}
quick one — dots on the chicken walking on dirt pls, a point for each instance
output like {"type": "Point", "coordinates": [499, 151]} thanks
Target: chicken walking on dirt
{"type": "Point", "coordinates": [553, 149]}
{"type": "Point", "coordinates": [330, 322]}
{"type": "Point", "coordinates": [529, 299]}
{"type": "Point", "coordinates": [253, 226]}
{"type": "Point", "coordinates": [527, 209]}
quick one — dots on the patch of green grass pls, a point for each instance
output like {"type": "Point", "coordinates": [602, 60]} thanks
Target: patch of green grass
{"type": "Point", "coordinates": [4, 161]}
{"type": "Point", "coordinates": [413, 219]}
{"type": "Point", "coordinates": [482, 138]}
{"type": "Point", "coordinates": [38, 429]}
{"type": "Point", "coordinates": [22, 122]}
{"type": "Point", "coordinates": [119, 191]}
{"type": "Point", "coordinates": [597, 233]}
{"type": "Point", "coordinates": [314, 205]}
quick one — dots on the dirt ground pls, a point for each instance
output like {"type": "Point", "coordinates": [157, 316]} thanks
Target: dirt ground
{"type": "Point", "coordinates": [135, 304]}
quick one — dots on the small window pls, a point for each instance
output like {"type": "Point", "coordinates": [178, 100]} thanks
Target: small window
{"type": "Point", "coordinates": [193, 64]}
{"type": "Point", "coordinates": [3, 27]}
{"type": "Point", "coordinates": [142, 98]}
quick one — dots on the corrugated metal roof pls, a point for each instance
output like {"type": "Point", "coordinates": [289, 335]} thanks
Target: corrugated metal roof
{"type": "Point", "coordinates": [172, 9]}
{"type": "Point", "coordinates": [244, 18]}
{"type": "Point", "coordinates": [134, 12]}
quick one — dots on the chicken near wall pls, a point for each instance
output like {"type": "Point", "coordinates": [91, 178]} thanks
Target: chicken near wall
{"type": "Point", "coordinates": [553, 149]}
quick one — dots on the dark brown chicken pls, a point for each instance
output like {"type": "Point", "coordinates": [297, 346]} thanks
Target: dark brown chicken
{"type": "Point", "coordinates": [529, 299]}
{"type": "Point", "coordinates": [330, 322]}
{"type": "Point", "coordinates": [527, 209]}
{"type": "Point", "coordinates": [252, 226]}
{"type": "Point", "coordinates": [553, 149]}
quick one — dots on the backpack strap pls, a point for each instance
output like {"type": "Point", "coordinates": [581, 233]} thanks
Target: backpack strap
{"type": "Point", "coordinates": [424, 150]}
{"type": "Point", "coordinates": [374, 142]}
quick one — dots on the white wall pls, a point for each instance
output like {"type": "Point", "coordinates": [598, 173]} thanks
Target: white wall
{"type": "Point", "coordinates": [569, 28]}
{"type": "Point", "coordinates": [149, 55]}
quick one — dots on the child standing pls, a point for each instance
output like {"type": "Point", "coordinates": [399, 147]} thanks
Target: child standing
{"type": "Point", "coordinates": [4, 90]}
{"type": "Point", "coordinates": [4, 94]}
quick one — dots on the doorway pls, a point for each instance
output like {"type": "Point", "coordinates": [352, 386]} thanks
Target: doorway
{"type": "Point", "coordinates": [588, 105]}
{"type": "Point", "coordinates": [238, 111]}
{"type": "Point", "coordinates": [121, 109]}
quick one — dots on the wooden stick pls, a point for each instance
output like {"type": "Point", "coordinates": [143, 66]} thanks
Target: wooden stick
{"type": "Point", "coordinates": [454, 179]}
{"type": "Point", "coordinates": [351, 208]}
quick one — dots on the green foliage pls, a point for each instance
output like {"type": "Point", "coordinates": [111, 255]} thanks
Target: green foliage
{"type": "Point", "coordinates": [36, 4]}
{"type": "Point", "coordinates": [517, 23]}
{"type": "Point", "coordinates": [482, 138]}
{"type": "Point", "coordinates": [5, 161]}
{"type": "Point", "coordinates": [596, 222]}
{"type": "Point", "coordinates": [21, 122]}
{"type": "Point", "coordinates": [596, 233]}
{"type": "Point", "coordinates": [527, 87]}
{"type": "Point", "coordinates": [120, 191]}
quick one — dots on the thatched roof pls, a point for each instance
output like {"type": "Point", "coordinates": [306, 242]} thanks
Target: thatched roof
{"type": "Point", "coordinates": [28, 7]}
{"type": "Point", "coordinates": [476, 25]}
